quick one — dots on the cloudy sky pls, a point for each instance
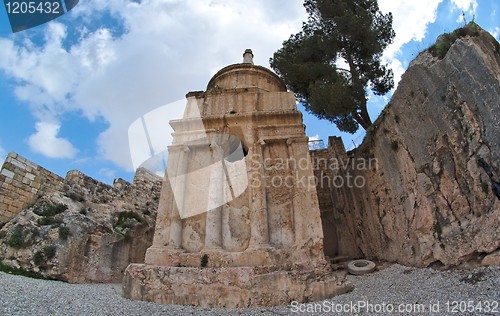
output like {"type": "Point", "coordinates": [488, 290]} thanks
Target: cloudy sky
{"type": "Point", "coordinates": [71, 88]}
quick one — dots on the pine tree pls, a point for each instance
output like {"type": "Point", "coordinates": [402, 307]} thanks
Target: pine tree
{"type": "Point", "coordinates": [352, 31]}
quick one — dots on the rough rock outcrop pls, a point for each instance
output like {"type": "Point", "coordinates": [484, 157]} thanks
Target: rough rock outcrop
{"type": "Point", "coordinates": [430, 197]}
{"type": "Point", "coordinates": [86, 232]}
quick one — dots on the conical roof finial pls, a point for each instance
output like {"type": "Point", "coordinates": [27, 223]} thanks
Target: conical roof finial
{"type": "Point", "coordinates": [248, 57]}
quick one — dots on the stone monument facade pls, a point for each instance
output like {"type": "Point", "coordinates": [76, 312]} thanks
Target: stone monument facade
{"type": "Point", "coordinates": [238, 221]}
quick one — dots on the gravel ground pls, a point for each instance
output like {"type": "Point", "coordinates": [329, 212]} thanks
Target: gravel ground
{"type": "Point", "coordinates": [416, 291]}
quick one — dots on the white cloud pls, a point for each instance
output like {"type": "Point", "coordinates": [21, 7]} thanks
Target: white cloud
{"type": "Point", "coordinates": [410, 21]}
{"type": "Point", "coordinates": [397, 68]}
{"type": "Point", "coordinates": [496, 33]}
{"type": "Point", "coordinates": [467, 6]}
{"type": "Point", "coordinates": [3, 155]}
{"type": "Point", "coordinates": [169, 49]}
{"type": "Point", "coordinates": [45, 75]}
{"type": "Point", "coordinates": [46, 142]}
{"type": "Point", "coordinates": [107, 173]}
{"type": "Point", "coordinates": [314, 138]}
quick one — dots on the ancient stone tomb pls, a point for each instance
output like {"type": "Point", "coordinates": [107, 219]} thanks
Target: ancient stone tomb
{"type": "Point", "coordinates": [238, 221]}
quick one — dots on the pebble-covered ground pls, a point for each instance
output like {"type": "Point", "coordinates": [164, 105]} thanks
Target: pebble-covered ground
{"type": "Point", "coordinates": [395, 290]}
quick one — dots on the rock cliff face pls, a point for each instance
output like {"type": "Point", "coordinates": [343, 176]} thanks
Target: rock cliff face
{"type": "Point", "coordinates": [429, 197]}
{"type": "Point", "coordinates": [85, 232]}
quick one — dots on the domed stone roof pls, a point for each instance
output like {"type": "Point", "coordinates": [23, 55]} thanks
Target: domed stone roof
{"type": "Point", "coordinates": [246, 75]}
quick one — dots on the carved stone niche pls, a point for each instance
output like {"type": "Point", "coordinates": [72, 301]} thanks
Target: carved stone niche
{"type": "Point", "coordinates": [238, 221]}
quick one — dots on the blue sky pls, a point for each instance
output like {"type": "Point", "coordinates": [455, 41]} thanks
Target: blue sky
{"type": "Point", "coordinates": [70, 88]}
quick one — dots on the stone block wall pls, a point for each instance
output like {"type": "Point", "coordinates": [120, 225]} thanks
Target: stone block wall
{"type": "Point", "coordinates": [326, 165]}
{"type": "Point", "coordinates": [21, 181]}
{"type": "Point", "coordinates": [146, 180]}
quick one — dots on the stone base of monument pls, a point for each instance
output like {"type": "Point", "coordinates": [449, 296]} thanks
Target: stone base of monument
{"type": "Point", "coordinates": [230, 287]}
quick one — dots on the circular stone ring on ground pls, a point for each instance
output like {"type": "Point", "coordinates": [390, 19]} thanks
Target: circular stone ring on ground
{"type": "Point", "coordinates": [362, 266]}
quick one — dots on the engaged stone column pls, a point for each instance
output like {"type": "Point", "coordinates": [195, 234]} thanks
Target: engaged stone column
{"type": "Point", "coordinates": [304, 189]}
{"type": "Point", "coordinates": [258, 216]}
{"type": "Point", "coordinates": [213, 232]}
{"type": "Point", "coordinates": [178, 163]}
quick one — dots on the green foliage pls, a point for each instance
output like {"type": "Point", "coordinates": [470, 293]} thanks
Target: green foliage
{"type": "Point", "coordinates": [18, 238]}
{"type": "Point", "coordinates": [48, 214]}
{"type": "Point", "coordinates": [22, 272]}
{"type": "Point", "coordinates": [444, 41]}
{"type": "Point", "coordinates": [45, 221]}
{"type": "Point", "coordinates": [204, 261]}
{"type": "Point", "coordinates": [49, 251]}
{"type": "Point", "coordinates": [126, 219]}
{"type": "Point", "coordinates": [354, 31]}
{"type": "Point", "coordinates": [38, 258]}
{"type": "Point", "coordinates": [76, 197]}
{"type": "Point", "coordinates": [438, 230]}
{"type": "Point", "coordinates": [51, 210]}
{"type": "Point", "coordinates": [64, 232]}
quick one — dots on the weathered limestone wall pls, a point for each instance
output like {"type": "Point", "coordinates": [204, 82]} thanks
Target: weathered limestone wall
{"type": "Point", "coordinates": [21, 181]}
{"type": "Point", "coordinates": [428, 199]}
{"type": "Point", "coordinates": [102, 229]}
{"type": "Point", "coordinates": [144, 180]}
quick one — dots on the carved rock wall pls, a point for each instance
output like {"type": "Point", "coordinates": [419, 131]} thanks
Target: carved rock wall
{"type": "Point", "coordinates": [97, 232]}
{"type": "Point", "coordinates": [427, 200]}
